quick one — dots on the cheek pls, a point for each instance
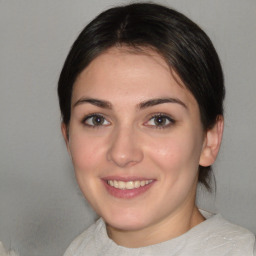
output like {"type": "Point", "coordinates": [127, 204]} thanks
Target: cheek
{"type": "Point", "coordinates": [177, 153]}
{"type": "Point", "coordinates": [85, 152]}
{"type": "Point", "coordinates": [87, 158]}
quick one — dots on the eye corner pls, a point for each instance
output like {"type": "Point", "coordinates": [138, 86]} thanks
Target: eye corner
{"type": "Point", "coordinates": [160, 121]}
{"type": "Point", "coordinates": [95, 120]}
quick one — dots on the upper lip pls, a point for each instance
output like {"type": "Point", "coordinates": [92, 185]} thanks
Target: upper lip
{"type": "Point", "coordinates": [126, 179]}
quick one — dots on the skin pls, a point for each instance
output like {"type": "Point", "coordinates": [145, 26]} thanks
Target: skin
{"type": "Point", "coordinates": [130, 143]}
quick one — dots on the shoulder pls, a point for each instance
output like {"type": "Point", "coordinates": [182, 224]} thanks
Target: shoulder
{"type": "Point", "coordinates": [215, 236]}
{"type": "Point", "coordinates": [221, 237]}
{"type": "Point", "coordinates": [87, 240]}
{"type": "Point", "coordinates": [230, 230]}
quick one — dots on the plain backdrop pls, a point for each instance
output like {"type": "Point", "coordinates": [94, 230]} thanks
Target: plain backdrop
{"type": "Point", "coordinates": [41, 207]}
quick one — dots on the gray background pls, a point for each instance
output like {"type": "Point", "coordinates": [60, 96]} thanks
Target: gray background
{"type": "Point", "coordinates": [42, 209]}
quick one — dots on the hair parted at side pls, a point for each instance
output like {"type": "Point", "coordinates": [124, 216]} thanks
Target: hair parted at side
{"type": "Point", "coordinates": [183, 45]}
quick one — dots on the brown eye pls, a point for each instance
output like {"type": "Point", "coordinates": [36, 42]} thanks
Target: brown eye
{"type": "Point", "coordinates": [96, 120]}
{"type": "Point", "coordinates": [160, 121]}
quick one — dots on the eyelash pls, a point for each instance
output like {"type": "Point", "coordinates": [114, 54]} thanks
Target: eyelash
{"type": "Point", "coordinates": [163, 116]}
{"type": "Point", "coordinates": [159, 115]}
{"type": "Point", "coordinates": [95, 125]}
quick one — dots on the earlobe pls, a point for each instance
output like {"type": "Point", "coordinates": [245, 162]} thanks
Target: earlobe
{"type": "Point", "coordinates": [64, 130]}
{"type": "Point", "coordinates": [212, 143]}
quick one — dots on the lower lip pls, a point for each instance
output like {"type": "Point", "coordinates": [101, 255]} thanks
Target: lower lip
{"type": "Point", "coordinates": [127, 193]}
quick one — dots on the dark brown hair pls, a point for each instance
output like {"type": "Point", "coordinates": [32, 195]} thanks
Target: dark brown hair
{"type": "Point", "coordinates": [184, 46]}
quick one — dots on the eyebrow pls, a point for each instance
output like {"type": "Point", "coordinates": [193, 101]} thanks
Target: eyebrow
{"type": "Point", "coordinates": [145, 104]}
{"type": "Point", "coordinates": [95, 102]}
{"type": "Point", "coordinates": [154, 102]}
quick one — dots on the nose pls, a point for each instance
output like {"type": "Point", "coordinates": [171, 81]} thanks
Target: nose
{"type": "Point", "coordinates": [124, 149]}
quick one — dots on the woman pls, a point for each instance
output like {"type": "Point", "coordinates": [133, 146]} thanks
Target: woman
{"type": "Point", "coordinates": [141, 96]}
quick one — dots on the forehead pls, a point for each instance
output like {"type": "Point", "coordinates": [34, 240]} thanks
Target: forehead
{"type": "Point", "coordinates": [122, 71]}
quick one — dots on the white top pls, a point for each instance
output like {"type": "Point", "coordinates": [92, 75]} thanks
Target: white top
{"type": "Point", "coordinates": [213, 237]}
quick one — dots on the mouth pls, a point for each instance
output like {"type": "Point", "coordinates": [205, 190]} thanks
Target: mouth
{"type": "Point", "coordinates": [129, 184]}
{"type": "Point", "coordinates": [127, 188]}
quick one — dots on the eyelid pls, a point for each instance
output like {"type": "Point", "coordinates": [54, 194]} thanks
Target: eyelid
{"type": "Point", "coordinates": [94, 115]}
{"type": "Point", "coordinates": [163, 115]}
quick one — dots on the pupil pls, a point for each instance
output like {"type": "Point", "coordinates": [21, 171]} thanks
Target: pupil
{"type": "Point", "coordinates": [160, 120]}
{"type": "Point", "coordinates": [97, 120]}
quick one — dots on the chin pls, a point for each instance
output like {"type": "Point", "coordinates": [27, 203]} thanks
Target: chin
{"type": "Point", "coordinates": [126, 221]}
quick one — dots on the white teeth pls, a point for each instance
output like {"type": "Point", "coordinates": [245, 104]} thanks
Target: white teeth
{"type": "Point", "coordinates": [115, 184]}
{"type": "Point", "coordinates": [128, 184]}
{"type": "Point", "coordinates": [121, 185]}
{"type": "Point", "coordinates": [137, 184]}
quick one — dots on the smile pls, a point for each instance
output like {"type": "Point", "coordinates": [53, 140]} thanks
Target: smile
{"type": "Point", "coordinates": [129, 184]}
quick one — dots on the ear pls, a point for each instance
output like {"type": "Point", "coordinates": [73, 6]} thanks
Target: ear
{"type": "Point", "coordinates": [64, 130]}
{"type": "Point", "coordinates": [212, 143]}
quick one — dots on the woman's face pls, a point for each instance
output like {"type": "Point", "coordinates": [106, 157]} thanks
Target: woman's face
{"type": "Point", "coordinates": [135, 138]}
